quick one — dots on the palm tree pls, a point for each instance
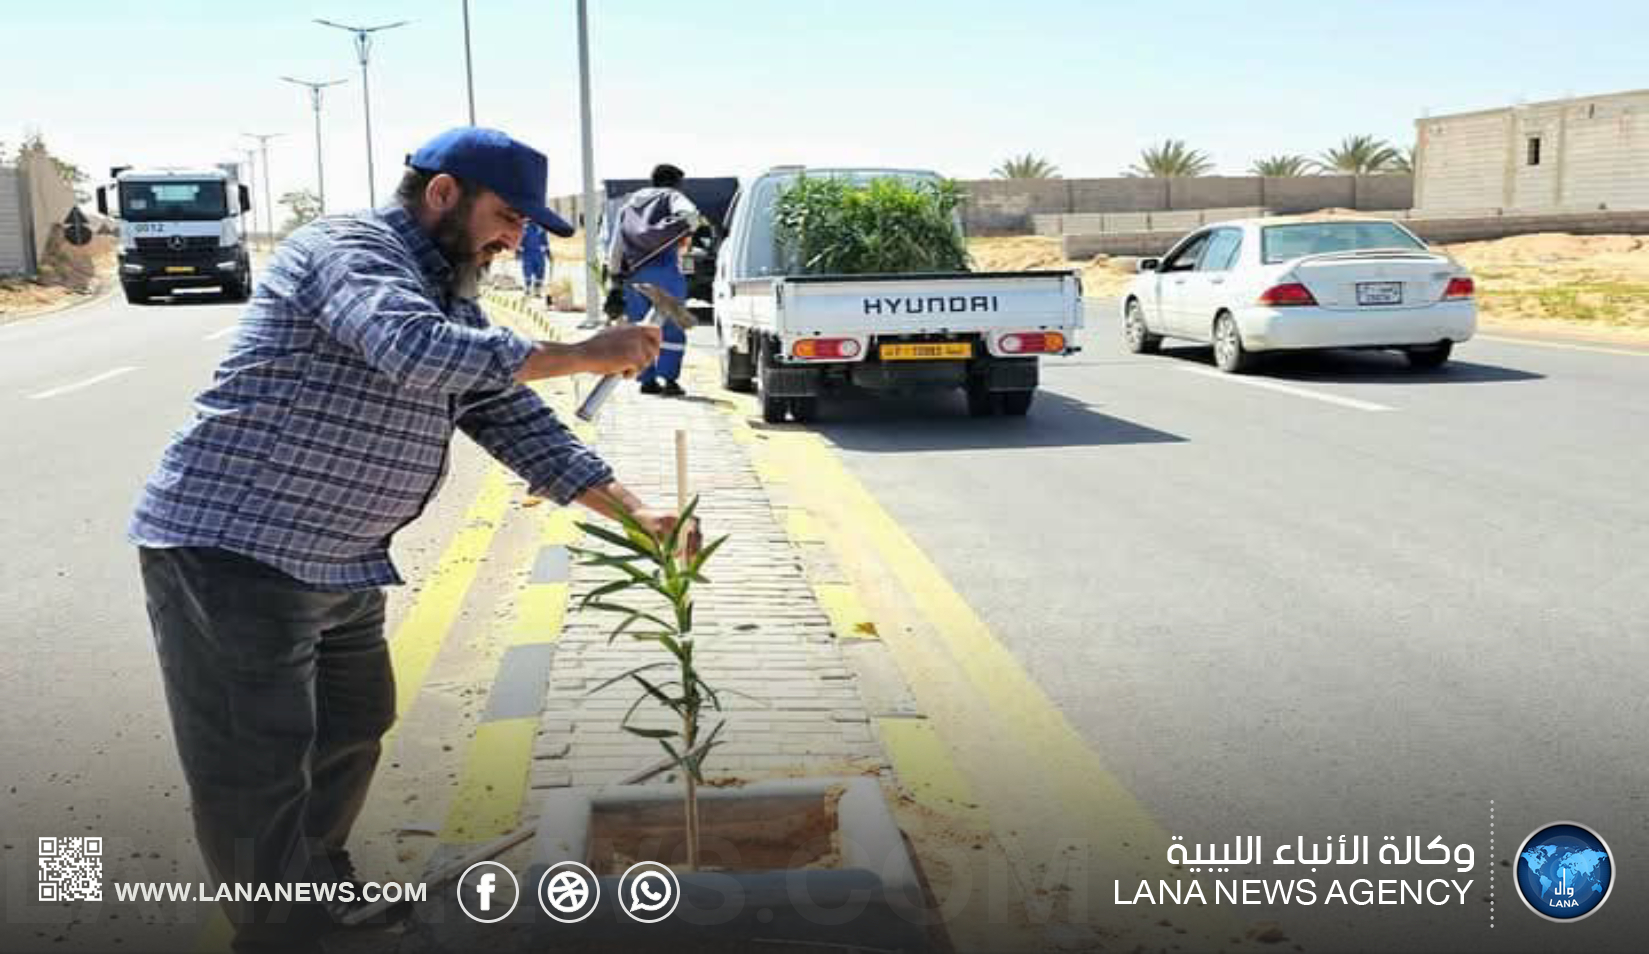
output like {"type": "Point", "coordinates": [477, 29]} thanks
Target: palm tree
{"type": "Point", "coordinates": [1358, 156]}
{"type": "Point", "coordinates": [1028, 166]}
{"type": "Point", "coordinates": [1284, 165]}
{"type": "Point", "coordinates": [1170, 160]}
{"type": "Point", "coordinates": [1402, 162]}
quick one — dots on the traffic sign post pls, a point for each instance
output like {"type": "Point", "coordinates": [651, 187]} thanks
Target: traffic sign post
{"type": "Point", "coordinates": [76, 230]}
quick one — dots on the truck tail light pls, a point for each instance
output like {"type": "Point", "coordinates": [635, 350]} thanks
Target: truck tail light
{"type": "Point", "coordinates": [1460, 288]}
{"type": "Point", "coordinates": [1032, 342]}
{"type": "Point", "coordinates": [1287, 295]}
{"type": "Point", "coordinates": [823, 349]}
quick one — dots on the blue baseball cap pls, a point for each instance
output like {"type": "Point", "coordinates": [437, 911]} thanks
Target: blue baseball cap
{"type": "Point", "coordinates": [514, 170]}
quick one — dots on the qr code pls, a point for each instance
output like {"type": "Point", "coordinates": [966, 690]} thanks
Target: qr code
{"type": "Point", "coordinates": [71, 869]}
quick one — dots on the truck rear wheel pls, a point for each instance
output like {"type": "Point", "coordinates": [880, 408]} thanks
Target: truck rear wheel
{"type": "Point", "coordinates": [804, 410]}
{"type": "Point", "coordinates": [981, 400]}
{"type": "Point", "coordinates": [735, 368]}
{"type": "Point", "coordinates": [1016, 403]}
{"type": "Point", "coordinates": [774, 409]}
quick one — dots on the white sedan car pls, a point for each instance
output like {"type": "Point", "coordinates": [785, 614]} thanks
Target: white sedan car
{"type": "Point", "coordinates": [1287, 284]}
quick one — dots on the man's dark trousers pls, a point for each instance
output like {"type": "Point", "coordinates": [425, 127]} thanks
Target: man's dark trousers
{"type": "Point", "coordinates": [279, 694]}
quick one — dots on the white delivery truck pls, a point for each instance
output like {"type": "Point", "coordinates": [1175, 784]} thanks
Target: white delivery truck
{"type": "Point", "coordinates": [792, 338]}
{"type": "Point", "coordinates": [180, 228]}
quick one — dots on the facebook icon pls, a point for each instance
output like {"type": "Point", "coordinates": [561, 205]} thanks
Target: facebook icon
{"type": "Point", "coordinates": [488, 892]}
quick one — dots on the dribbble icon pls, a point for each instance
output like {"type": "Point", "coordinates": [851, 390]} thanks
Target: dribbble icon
{"type": "Point", "coordinates": [649, 892]}
{"type": "Point", "coordinates": [1564, 871]}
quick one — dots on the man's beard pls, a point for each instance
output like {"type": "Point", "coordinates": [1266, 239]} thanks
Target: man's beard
{"type": "Point", "coordinates": [452, 236]}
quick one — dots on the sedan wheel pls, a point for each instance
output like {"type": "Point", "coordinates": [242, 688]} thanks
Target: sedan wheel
{"type": "Point", "coordinates": [1428, 358]}
{"type": "Point", "coordinates": [1229, 353]}
{"type": "Point", "coordinates": [1138, 338]}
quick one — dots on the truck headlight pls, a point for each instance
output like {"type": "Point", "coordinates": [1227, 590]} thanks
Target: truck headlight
{"type": "Point", "coordinates": [228, 266]}
{"type": "Point", "coordinates": [131, 268]}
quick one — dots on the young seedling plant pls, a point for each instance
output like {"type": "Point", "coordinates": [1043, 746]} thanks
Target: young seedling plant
{"type": "Point", "coordinates": [647, 561]}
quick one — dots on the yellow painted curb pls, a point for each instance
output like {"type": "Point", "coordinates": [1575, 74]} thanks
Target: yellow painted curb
{"type": "Point", "coordinates": [494, 782]}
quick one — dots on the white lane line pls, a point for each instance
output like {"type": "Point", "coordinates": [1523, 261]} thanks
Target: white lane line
{"type": "Point", "coordinates": [1562, 346]}
{"type": "Point", "coordinates": [220, 333]}
{"type": "Point", "coordinates": [1290, 389]}
{"type": "Point", "coordinates": [67, 388]}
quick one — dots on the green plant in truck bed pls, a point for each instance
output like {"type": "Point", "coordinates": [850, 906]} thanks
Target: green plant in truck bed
{"type": "Point", "coordinates": [888, 225]}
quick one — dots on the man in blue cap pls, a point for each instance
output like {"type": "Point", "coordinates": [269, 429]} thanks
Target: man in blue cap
{"type": "Point", "coordinates": [264, 532]}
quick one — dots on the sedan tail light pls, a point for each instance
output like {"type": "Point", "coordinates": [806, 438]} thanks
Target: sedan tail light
{"type": "Point", "coordinates": [1032, 342]}
{"type": "Point", "coordinates": [1460, 288]}
{"type": "Point", "coordinates": [1285, 295]}
{"type": "Point", "coordinates": [825, 348]}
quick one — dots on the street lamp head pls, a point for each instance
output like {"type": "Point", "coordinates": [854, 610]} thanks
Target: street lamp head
{"type": "Point", "coordinates": [362, 29]}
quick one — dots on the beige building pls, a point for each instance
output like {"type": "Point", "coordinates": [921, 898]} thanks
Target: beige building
{"type": "Point", "coordinates": [1577, 154]}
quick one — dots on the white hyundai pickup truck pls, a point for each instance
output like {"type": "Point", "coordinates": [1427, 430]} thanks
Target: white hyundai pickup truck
{"type": "Point", "coordinates": [793, 338]}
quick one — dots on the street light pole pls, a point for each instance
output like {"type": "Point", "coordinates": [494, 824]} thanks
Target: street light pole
{"type": "Point", "coordinates": [363, 47]}
{"type": "Point", "coordinates": [268, 206]}
{"type": "Point", "coordinates": [251, 186]}
{"type": "Point", "coordinates": [592, 308]}
{"type": "Point", "coordinates": [315, 103]}
{"type": "Point", "coordinates": [469, 71]}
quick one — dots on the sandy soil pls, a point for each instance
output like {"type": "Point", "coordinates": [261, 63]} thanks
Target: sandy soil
{"type": "Point", "coordinates": [1595, 285]}
{"type": "Point", "coordinates": [79, 277]}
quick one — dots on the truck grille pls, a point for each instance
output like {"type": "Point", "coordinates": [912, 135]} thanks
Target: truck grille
{"type": "Point", "coordinates": [191, 243]}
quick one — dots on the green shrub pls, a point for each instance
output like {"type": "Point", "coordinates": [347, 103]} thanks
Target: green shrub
{"type": "Point", "coordinates": [888, 225]}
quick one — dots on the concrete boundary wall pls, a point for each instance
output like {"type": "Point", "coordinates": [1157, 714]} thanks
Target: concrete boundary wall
{"type": "Point", "coordinates": [16, 225]}
{"type": "Point", "coordinates": [1009, 206]}
{"type": "Point", "coordinates": [1439, 230]}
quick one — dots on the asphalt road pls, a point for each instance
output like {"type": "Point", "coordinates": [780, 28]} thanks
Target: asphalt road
{"type": "Point", "coordinates": [1335, 598]}
{"type": "Point", "coordinates": [88, 399]}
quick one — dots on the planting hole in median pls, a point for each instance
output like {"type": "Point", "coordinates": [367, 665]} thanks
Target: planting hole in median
{"type": "Point", "coordinates": [742, 834]}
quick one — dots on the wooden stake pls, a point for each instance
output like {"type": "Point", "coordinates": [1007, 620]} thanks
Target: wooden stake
{"type": "Point", "coordinates": [681, 487]}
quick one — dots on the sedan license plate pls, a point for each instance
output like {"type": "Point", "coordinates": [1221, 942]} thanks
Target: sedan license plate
{"type": "Point", "coordinates": [927, 351]}
{"type": "Point", "coordinates": [180, 270]}
{"type": "Point", "coordinates": [1379, 293]}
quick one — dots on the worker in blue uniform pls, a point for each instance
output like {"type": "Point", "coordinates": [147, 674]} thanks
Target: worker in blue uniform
{"type": "Point", "coordinates": [650, 229]}
{"type": "Point", "coordinates": [534, 254]}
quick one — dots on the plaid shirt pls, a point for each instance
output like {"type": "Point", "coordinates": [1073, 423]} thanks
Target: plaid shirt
{"type": "Point", "coordinates": [326, 427]}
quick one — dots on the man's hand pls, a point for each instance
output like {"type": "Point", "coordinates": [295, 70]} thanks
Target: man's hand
{"type": "Point", "coordinates": [625, 350]}
{"type": "Point", "coordinates": [661, 522]}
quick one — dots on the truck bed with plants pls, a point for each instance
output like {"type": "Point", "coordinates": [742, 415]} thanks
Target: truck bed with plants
{"type": "Point", "coordinates": [859, 278]}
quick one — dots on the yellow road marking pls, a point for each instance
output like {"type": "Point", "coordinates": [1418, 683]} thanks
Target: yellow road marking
{"type": "Point", "coordinates": [940, 644]}
{"type": "Point", "coordinates": [540, 611]}
{"type": "Point", "coordinates": [848, 616]}
{"type": "Point", "coordinates": [802, 527]}
{"type": "Point", "coordinates": [419, 636]}
{"type": "Point", "coordinates": [922, 762]}
{"type": "Point", "coordinates": [1562, 346]}
{"type": "Point", "coordinates": [494, 783]}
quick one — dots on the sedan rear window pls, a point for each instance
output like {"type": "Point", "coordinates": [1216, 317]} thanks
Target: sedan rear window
{"type": "Point", "coordinates": [1279, 243]}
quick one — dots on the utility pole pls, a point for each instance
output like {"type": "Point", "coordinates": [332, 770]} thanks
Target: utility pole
{"type": "Point", "coordinates": [469, 71]}
{"type": "Point", "coordinates": [592, 294]}
{"type": "Point", "coordinates": [251, 186]}
{"type": "Point", "coordinates": [363, 47]}
{"type": "Point", "coordinates": [315, 103]}
{"type": "Point", "coordinates": [268, 206]}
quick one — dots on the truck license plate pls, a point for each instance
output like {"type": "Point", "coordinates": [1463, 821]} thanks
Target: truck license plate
{"type": "Point", "coordinates": [941, 350]}
{"type": "Point", "coordinates": [1379, 293]}
{"type": "Point", "coordinates": [180, 270]}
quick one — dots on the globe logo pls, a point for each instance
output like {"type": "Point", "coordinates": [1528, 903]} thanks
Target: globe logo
{"type": "Point", "coordinates": [1564, 871]}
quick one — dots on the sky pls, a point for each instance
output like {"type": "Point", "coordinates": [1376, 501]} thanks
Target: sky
{"type": "Point", "coordinates": [729, 87]}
